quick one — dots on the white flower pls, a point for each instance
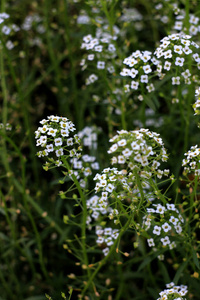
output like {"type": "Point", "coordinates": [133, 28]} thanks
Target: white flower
{"type": "Point", "coordinates": [59, 152]}
{"type": "Point", "coordinates": [166, 227]}
{"type": "Point", "coordinates": [105, 251]}
{"type": "Point", "coordinates": [133, 72]}
{"type": "Point", "coordinates": [58, 142]}
{"type": "Point", "coordinates": [98, 48]}
{"type": "Point", "coordinates": [144, 78]}
{"type": "Point", "coordinates": [165, 241]}
{"type": "Point", "coordinates": [52, 132]}
{"type": "Point", "coordinates": [90, 57]}
{"type": "Point", "coordinates": [178, 49]}
{"type": "Point", "coordinates": [147, 69]}
{"type": "Point", "coordinates": [187, 50]}
{"type": "Point", "coordinates": [110, 188]}
{"type": "Point", "coordinates": [134, 85]}
{"type": "Point", "coordinates": [160, 209]}
{"type": "Point", "coordinates": [100, 65]}
{"type": "Point", "coordinates": [50, 148]}
{"type": "Point", "coordinates": [156, 230]}
{"type": "Point", "coordinates": [179, 61]}
{"type": "Point", "coordinates": [167, 65]}
{"type": "Point", "coordinates": [176, 80]}
{"type": "Point", "coordinates": [178, 228]}
{"type": "Point", "coordinates": [150, 88]}
{"type": "Point", "coordinates": [150, 242]}
{"type": "Point", "coordinates": [122, 142]}
{"type": "Point", "coordinates": [125, 72]}
{"type": "Point", "coordinates": [167, 54]}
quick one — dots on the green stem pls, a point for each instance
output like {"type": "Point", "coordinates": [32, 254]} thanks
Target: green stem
{"type": "Point", "coordinates": [84, 218]}
{"type": "Point", "coordinates": [24, 107]}
{"type": "Point", "coordinates": [14, 237]}
{"type": "Point", "coordinates": [105, 259]}
{"type": "Point", "coordinates": [140, 189]}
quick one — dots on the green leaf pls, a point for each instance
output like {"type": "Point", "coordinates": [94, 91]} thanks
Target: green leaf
{"type": "Point", "coordinates": [180, 271]}
{"type": "Point", "coordinates": [195, 259]}
{"type": "Point", "coordinates": [164, 271]}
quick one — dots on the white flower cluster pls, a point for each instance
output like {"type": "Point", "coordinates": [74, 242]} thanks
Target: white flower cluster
{"type": "Point", "coordinates": [107, 182]}
{"type": "Point", "coordinates": [131, 15]}
{"type": "Point", "coordinates": [3, 17]}
{"type": "Point", "coordinates": [54, 137]}
{"type": "Point", "coordinates": [139, 149]}
{"type": "Point", "coordinates": [101, 51]}
{"type": "Point", "coordinates": [175, 50]}
{"type": "Point", "coordinates": [194, 26]}
{"type": "Point", "coordinates": [32, 20]}
{"type": "Point", "coordinates": [151, 120]}
{"type": "Point", "coordinates": [192, 161]}
{"type": "Point", "coordinates": [140, 67]}
{"type": "Point", "coordinates": [83, 167]}
{"type": "Point", "coordinates": [174, 292]}
{"type": "Point", "coordinates": [161, 223]}
{"type": "Point", "coordinates": [106, 237]}
{"type": "Point", "coordinates": [106, 204]}
{"type": "Point", "coordinates": [89, 136]}
{"type": "Point", "coordinates": [8, 29]}
{"type": "Point", "coordinates": [196, 105]}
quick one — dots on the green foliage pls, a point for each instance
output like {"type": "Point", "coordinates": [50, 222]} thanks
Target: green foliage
{"type": "Point", "coordinates": [95, 227]}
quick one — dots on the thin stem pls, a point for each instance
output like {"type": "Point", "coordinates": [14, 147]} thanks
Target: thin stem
{"type": "Point", "coordinates": [84, 218]}
{"type": "Point", "coordinates": [105, 259]}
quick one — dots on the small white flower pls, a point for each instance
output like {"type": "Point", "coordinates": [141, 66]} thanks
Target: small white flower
{"type": "Point", "coordinates": [179, 61]}
{"type": "Point", "coordinates": [58, 142]}
{"type": "Point", "coordinates": [160, 209]}
{"type": "Point", "coordinates": [122, 142]}
{"type": "Point", "coordinates": [52, 132]}
{"type": "Point", "coordinates": [165, 241]}
{"type": "Point", "coordinates": [101, 65]}
{"type": "Point", "coordinates": [150, 88]}
{"type": "Point", "coordinates": [110, 188]}
{"type": "Point", "coordinates": [134, 85]}
{"type": "Point", "coordinates": [59, 152]}
{"type": "Point", "coordinates": [105, 251]}
{"type": "Point", "coordinates": [133, 72]}
{"type": "Point", "coordinates": [147, 69]}
{"type": "Point", "coordinates": [50, 148]}
{"type": "Point", "coordinates": [176, 80]}
{"type": "Point", "coordinates": [187, 50]}
{"type": "Point", "coordinates": [150, 242]}
{"type": "Point", "coordinates": [178, 49]}
{"type": "Point", "coordinates": [70, 142]}
{"type": "Point", "coordinates": [144, 78]}
{"type": "Point", "coordinates": [156, 230]}
{"type": "Point", "coordinates": [166, 227]}
{"type": "Point", "coordinates": [167, 54]}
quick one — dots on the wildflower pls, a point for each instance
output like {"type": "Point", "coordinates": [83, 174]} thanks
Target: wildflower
{"type": "Point", "coordinates": [176, 80]}
{"type": "Point", "coordinates": [52, 141]}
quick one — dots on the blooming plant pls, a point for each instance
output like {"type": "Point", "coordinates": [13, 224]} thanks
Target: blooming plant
{"type": "Point", "coordinates": [54, 138]}
{"type": "Point", "coordinates": [117, 214]}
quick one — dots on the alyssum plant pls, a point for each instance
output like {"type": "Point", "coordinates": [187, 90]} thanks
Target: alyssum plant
{"type": "Point", "coordinates": [127, 197]}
